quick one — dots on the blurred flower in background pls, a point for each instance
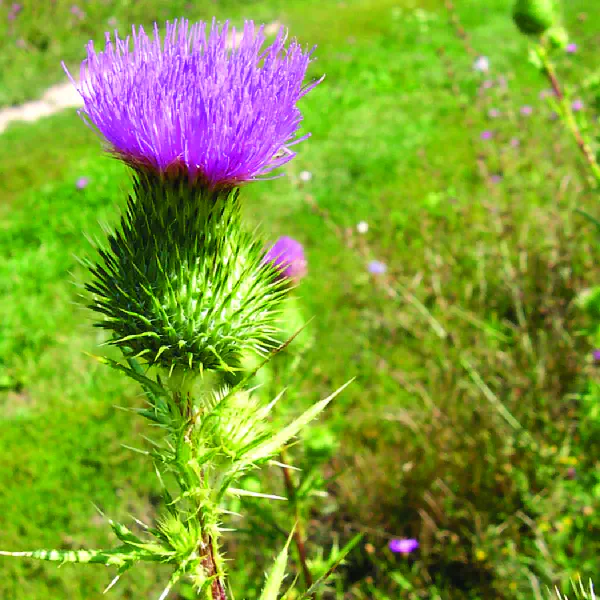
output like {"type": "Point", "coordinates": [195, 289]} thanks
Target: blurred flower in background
{"type": "Point", "coordinates": [482, 64]}
{"type": "Point", "coordinates": [404, 545]}
{"type": "Point", "coordinates": [577, 105]}
{"type": "Point", "coordinates": [376, 267]}
{"type": "Point", "coordinates": [571, 48]}
{"type": "Point", "coordinates": [81, 183]}
{"type": "Point", "coordinates": [287, 255]}
{"type": "Point", "coordinates": [526, 110]}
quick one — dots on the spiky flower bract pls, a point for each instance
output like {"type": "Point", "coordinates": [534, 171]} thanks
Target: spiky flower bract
{"type": "Point", "coordinates": [194, 105]}
{"type": "Point", "coordinates": [181, 284]}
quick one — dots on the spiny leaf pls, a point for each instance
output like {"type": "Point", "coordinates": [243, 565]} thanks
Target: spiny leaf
{"type": "Point", "coordinates": [332, 566]}
{"type": "Point", "coordinates": [275, 442]}
{"type": "Point", "coordinates": [277, 574]}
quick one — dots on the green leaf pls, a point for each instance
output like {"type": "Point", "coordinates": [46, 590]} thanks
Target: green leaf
{"type": "Point", "coordinates": [277, 574]}
{"type": "Point", "coordinates": [274, 443]}
{"type": "Point", "coordinates": [332, 566]}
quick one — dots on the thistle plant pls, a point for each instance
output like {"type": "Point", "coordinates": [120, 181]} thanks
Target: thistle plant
{"type": "Point", "coordinates": [181, 286]}
{"type": "Point", "coordinates": [540, 21]}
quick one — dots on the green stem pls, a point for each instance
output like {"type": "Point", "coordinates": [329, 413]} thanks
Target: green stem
{"type": "Point", "coordinates": [569, 117]}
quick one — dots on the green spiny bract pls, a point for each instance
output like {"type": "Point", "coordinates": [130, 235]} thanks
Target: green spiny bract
{"type": "Point", "coordinates": [181, 284]}
{"type": "Point", "coordinates": [534, 17]}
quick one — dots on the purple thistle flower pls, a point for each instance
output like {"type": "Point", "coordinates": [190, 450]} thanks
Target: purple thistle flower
{"type": "Point", "coordinates": [81, 183]}
{"type": "Point", "coordinates": [192, 104]}
{"type": "Point", "coordinates": [486, 135]}
{"type": "Point", "coordinates": [571, 48]}
{"type": "Point", "coordinates": [577, 105]}
{"type": "Point", "coordinates": [403, 546]}
{"type": "Point", "coordinates": [287, 255]}
{"type": "Point", "coordinates": [376, 267]}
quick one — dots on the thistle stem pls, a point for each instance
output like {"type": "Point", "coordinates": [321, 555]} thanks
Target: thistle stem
{"type": "Point", "coordinates": [569, 118]}
{"type": "Point", "coordinates": [299, 535]}
{"type": "Point", "coordinates": [207, 548]}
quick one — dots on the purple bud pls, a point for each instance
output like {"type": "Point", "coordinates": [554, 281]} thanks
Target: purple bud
{"type": "Point", "coordinates": [571, 48]}
{"type": "Point", "coordinates": [577, 105]}
{"type": "Point", "coordinates": [596, 355]}
{"type": "Point", "coordinates": [526, 110]}
{"type": "Point", "coordinates": [81, 183]}
{"type": "Point", "coordinates": [493, 113]}
{"type": "Point", "coordinates": [515, 143]}
{"type": "Point", "coordinates": [287, 255]}
{"type": "Point", "coordinates": [496, 178]}
{"type": "Point", "coordinates": [486, 135]}
{"type": "Point", "coordinates": [376, 267]}
{"type": "Point", "coordinates": [403, 546]}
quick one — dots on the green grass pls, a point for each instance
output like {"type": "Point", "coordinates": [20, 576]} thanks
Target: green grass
{"type": "Point", "coordinates": [428, 449]}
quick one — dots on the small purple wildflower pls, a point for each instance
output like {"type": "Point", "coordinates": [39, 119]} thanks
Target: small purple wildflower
{"type": "Point", "coordinates": [596, 355]}
{"type": "Point", "coordinates": [403, 546]}
{"type": "Point", "coordinates": [571, 48]}
{"type": "Point", "coordinates": [193, 105]}
{"type": "Point", "coordinates": [376, 267]}
{"type": "Point", "coordinates": [496, 178]}
{"type": "Point", "coordinates": [493, 113]}
{"type": "Point", "coordinates": [577, 105]}
{"type": "Point", "coordinates": [526, 110]}
{"type": "Point", "coordinates": [81, 183]}
{"type": "Point", "coordinates": [515, 142]}
{"type": "Point", "coordinates": [486, 135]}
{"type": "Point", "coordinates": [287, 255]}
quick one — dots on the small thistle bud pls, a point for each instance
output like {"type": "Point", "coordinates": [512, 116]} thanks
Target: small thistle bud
{"type": "Point", "coordinates": [534, 17]}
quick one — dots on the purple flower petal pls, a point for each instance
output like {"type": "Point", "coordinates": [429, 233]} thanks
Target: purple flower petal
{"type": "Point", "coordinates": [403, 546]}
{"type": "Point", "coordinates": [194, 105]}
{"type": "Point", "coordinates": [287, 255]}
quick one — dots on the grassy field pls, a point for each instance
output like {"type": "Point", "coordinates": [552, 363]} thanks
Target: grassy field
{"type": "Point", "coordinates": [473, 424]}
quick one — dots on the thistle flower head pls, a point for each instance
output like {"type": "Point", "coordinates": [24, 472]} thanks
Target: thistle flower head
{"type": "Point", "coordinates": [191, 104]}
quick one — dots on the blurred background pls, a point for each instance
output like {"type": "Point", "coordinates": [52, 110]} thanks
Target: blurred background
{"type": "Point", "coordinates": [437, 204]}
